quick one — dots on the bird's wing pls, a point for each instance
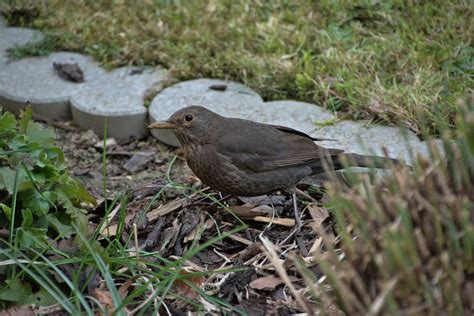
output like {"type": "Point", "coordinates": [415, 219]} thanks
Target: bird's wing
{"type": "Point", "coordinates": [263, 147]}
{"type": "Point", "coordinates": [294, 131]}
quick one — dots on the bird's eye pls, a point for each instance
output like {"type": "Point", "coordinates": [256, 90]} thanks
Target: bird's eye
{"type": "Point", "coordinates": [188, 117]}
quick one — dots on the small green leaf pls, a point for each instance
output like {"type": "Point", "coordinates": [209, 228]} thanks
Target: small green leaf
{"type": "Point", "coordinates": [37, 133]}
{"type": "Point", "coordinates": [32, 237]}
{"type": "Point", "coordinates": [7, 210]}
{"type": "Point", "coordinates": [15, 291]}
{"type": "Point", "coordinates": [7, 122]}
{"type": "Point", "coordinates": [63, 230]}
{"type": "Point", "coordinates": [74, 190]}
{"type": "Point", "coordinates": [7, 180]}
{"type": "Point", "coordinates": [7, 128]}
{"type": "Point", "coordinates": [33, 200]}
{"type": "Point", "coordinates": [17, 142]}
{"type": "Point", "coordinates": [40, 298]}
{"type": "Point", "coordinates": [27, 218]}
{"type": "Point", "coordinates": [25, 118]}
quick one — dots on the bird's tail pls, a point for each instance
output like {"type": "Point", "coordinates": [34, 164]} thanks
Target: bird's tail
{"type": "Point", "coordinates": [356, 160]}
{"type": "Point", "coordinates": [338, 161]}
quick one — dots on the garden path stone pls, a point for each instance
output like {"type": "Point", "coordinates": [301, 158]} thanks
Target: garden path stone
{"type": "Point", "coordinates": [358, 138]}
{"type": "Point", "coordinates": [119, 97]}
{"type": "Point", "coordinates": [15, 36]}
{"type": "Point", "coordinates": [298, 115]}
{"type": "Point", "coordinates": [35, 79]}
{"type": "Point", "coordinates": [236, 100]}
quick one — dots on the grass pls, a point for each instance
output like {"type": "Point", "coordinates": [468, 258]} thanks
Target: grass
{"type": "Point", "coordinates": [407, 242]}
{"type": "Point", "coordinates": [404, 63]}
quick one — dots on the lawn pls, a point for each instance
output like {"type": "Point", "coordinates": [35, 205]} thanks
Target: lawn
{"type": "Point", "coordinates": [401, 62]}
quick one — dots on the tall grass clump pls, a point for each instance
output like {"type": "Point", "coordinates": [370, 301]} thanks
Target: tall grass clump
{"type": "Point", "coordinates": [407, 243]}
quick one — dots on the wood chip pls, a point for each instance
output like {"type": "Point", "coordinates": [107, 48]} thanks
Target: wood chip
{"type": "Point", "coordinates": [288, 222]}
{"type": "Point", "coordinates": [318, 214]}
{"type": "Point", "coordinates": [241, 240]}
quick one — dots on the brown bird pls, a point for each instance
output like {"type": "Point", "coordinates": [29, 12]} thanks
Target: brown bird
{"type": "Point", "coordinates": [246, 158]}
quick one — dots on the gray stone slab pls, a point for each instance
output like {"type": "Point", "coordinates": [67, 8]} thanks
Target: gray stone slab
{"type": "Point", "coordinates": [237, 101]}
{"type": "Point", "coordinates": [35, 79]}
{"type": "Point", "coordinates": [119, 97]}
{"type": "Point", "coordinates": [431, 148]}
{"type": "Point", "coordinates": [357, 137]}
{"type": "Point", "coordinates": [15, 36]}
{"type": "Point", "coordinates": [298, 115]}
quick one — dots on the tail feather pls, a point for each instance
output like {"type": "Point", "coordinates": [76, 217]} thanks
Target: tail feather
{"type": "Point", "coordinates": [356, 160]}
{"type": "Point", "coordinates": [338, 161]}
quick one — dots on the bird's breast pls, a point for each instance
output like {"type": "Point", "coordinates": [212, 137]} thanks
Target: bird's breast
{"type": "Point", "coordinates": [212, 168]}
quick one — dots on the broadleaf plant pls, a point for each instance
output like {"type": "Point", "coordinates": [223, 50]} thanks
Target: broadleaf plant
{"type": "Point", "coordinates": [48, 200]}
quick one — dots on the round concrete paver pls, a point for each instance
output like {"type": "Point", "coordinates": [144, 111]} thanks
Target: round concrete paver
{"type": "Point", "coordinates": [15, 36]}
{"type": "Point", "coordinates": [297, 115]}
{"type": "Point", "coordinates": [35, 79]}
{"type": "Point", "coordinates": [223, 97]}
{"type": "Point", "coordinates": [117, 96]}
{"type": "Point", "coordinates": [356, 137]}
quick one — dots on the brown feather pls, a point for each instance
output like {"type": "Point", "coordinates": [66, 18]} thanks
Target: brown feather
{"type": "Point", "coordinates": [284, 147]}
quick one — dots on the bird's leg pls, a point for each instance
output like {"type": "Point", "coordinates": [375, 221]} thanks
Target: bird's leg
{"type": "Point", "coordinates": [295, 207]}
{"type": "Point", "coordinates": [294, 191]}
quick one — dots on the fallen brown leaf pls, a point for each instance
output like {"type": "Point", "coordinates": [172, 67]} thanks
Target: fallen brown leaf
{"type": "Point", "coordinates": [105, 298]}
{"type": "Point", "coordinates": [18, 311]}
{"type": "Point", "coordinates": [183, 289]}
{"type": "Point", "coordinates": [268, 282]}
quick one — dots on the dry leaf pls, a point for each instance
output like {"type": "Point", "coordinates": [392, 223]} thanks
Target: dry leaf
{"type": "Point", "coordinates": [18, 311]}
{"type": "Point", "coordinates": [105, 298]}
{"type": "Point", "coordinates": [268, 282]}
{"type": "Point", "coordinates": [184, 289]}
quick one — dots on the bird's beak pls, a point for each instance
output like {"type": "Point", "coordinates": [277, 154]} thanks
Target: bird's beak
{"type": "Point", "coordinates": [162, 125]}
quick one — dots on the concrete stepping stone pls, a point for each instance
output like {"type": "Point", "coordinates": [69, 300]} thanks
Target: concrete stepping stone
{"type": "Point", "coordinates": [35, 79]}
{"type": "Point", "coordinates": [15, 36]}
{"type": "Point", "coordinates": [224, 97]}
{"type": "Point", "coordinates": [119, 97]}
{"type": "Point", "coordinates": [298, 115]}
{"type": "Point", "coordinates": [357, 137]}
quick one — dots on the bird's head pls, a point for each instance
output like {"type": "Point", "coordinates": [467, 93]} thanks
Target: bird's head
{"type": "Point", "coordinates": [191, 125]}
